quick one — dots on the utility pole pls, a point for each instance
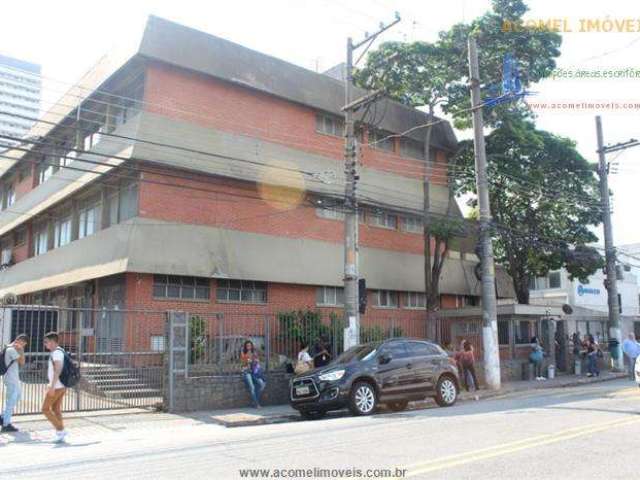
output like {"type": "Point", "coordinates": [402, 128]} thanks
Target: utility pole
{"type": "Point", "coordinates": [489, 308]}
{"type": "Point", "coordinates": [351, 303]}
{"type": "Point", "coordinates": [611, 284]}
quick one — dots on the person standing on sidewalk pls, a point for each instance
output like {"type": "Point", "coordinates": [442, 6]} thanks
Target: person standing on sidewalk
{"type": "Point", "coordinates": [592, 357]}
{"type": "Point", "coordinates": [631, 349]}
{"type": "Point", "coordinates": [466, 360]}
{"type": "Point", "coordinates": [13, 360]}
{"type": "Point", "coordinates": [536, 357]}
{"type": "Point", "coordinates": [52, 405]}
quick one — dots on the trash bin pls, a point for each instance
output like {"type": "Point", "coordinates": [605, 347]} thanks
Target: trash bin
{"type": "Point", "coordinates": [551, 372]}
{"type": "Point", "coordinates": [527, 371]}
{"type": "Point", "coordinates": [614, 351]}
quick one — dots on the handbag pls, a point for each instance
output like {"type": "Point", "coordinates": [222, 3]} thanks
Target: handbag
{"type": "Point", "coordinates": [301, 367]}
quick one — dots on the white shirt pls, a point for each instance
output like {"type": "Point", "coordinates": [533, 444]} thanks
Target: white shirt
{"type": "Point", "coordinates": [304, 356]}
{"type": "Point", "coordinates": [56, 356]}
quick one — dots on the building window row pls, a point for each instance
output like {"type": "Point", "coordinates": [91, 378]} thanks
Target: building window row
{"type": "Point", "coordinates": [180, 287]}
{"type": "Point", "coordinates": [376, 218]}
{"type": "Point", "coordinates": [552, 280]}
{"type": "Point", "coordinates": [241, 291]}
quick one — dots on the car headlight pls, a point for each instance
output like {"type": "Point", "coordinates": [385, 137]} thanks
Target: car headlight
{"type": "Point", "coordinates": [332, 376]}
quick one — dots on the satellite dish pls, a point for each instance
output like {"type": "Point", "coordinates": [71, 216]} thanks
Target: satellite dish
{"type": "Point", "coordinates": [567, 309]}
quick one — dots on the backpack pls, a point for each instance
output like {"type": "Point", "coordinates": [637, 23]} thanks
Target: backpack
{"type": "Point", "coordinates": [70, 374]}
{"type": "Point", "coordinates": [3, 365]}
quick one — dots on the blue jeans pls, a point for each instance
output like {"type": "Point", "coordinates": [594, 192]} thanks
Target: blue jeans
{"type": "Point", "coordinates": [255, 386]}
{"type": "Point", "coordinates": [13, 394]}
{"type": "Point", "coordinates": [632, 368]}
{"type": "Point", "coordinates": [592, 364]}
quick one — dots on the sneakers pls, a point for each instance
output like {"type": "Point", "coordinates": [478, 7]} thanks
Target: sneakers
{"type": "Point", "coordinates": [60, 435]}
{"type": "Point", "coordinates": [9, 429]}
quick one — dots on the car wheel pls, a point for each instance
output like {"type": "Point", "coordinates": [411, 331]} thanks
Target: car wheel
{"type": "Point", "coordinates": [398, 406]}
{"type": "Point", "coordinates": [312, 414]}
{"type": "Point", "coordinates": [446, 391]}
{"type": "Point", "coordinates": [363, 399]}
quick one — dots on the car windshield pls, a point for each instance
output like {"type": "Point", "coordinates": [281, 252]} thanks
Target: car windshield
{"type": "Point", "coordinates": [358, 353]}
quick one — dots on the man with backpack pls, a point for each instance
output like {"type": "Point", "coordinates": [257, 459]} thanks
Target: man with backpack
{"type": "Point", "coordinates": [52, 405]}
{"type": "Point", "coordinates": [11, 359]}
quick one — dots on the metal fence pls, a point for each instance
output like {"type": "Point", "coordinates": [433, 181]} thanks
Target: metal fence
{"type": "Point", "coordinates": [216, 340]}
{"type": "Point", "coordinates": [120, 354]}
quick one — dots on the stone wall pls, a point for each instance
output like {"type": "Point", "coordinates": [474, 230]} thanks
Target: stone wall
{"type": "Point", "coordinates": [223, 392]}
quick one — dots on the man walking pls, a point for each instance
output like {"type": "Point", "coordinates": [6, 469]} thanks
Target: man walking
{"type": "Point", "coordinates": [13, 360]}
{"type": "Point", "coordinates": [631, 349]}
{"type": "Point", "coordinates": [52, 405]}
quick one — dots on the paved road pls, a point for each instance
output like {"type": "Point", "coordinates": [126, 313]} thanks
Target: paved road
{"type": "Point", "coordinates": [581, 432]}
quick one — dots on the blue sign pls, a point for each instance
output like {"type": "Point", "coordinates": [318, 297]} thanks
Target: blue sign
{"type": "Point", "coordinates": [582, 290]}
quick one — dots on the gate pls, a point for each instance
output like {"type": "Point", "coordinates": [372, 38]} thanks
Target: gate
{"type": "Point", "coordinates": [120, 353]}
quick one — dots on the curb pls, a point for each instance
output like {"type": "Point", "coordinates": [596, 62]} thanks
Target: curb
{"type": "Point", "coordinates": [422, 405]}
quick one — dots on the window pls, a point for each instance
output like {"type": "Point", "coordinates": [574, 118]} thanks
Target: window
{"type": "Point", "coordinates": [242, 291]}
{"type": "Point", "coordinates": [329, 125]}
{"type": "Point", "coordinates": [525, 331]}
{"type": "Point", "coordinates": [396, 349]}
{"type": "Point", "coordinates": [383, 219]}
{"type": "Point", "coordinates": [329, 213]}
{"type": "Point", "coordinates": [21, 237]}
{"type": "Point", "coordinates": [68, 156]}
{"type": "Point", "coordinates": [62, 232]}
{"type": "Point", "coordinates": [386, 299]}
{"type": "Point", "coordinates": [554, 280]}
{"type": "Point", "coordinates": [411, 148]}
{"type": "Point", "coordinates": [332, 296]}
{"type": "Point", "coordinates": [187, 288]}
{"type": "Point", "coordinates": [45, 170]}
{"type": "Point", "coordinates": [503, 332]}
{"type": "Point", "coordinates": [41, 241]}
{"type": "Point", "coordinates": [413, 224]}
{"type": "Point", "coordinates": [128, 202]}
{"type": "Point", "coordinates": [157, 343]}
{"type": "Point", "coordinates": [420, 349]}
{"type": "Point", "coordinates": [10, 196]}
{"type": "Point", "coordinates": [380, 140]}
{"type": "Point", "coordinates": [415, 300]}
{"type": "Point", "coordinates": [91, 140]}
{"type": "Point", "coordinates": [88, 221]}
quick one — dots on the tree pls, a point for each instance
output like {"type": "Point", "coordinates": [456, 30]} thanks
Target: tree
{"type": "Point", "coordinates": [435, 75]}
{"type": "Point", "coordinates": [544, 196]}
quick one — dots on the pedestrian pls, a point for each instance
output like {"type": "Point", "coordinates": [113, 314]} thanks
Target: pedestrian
{"type": "Point", "coordinates": [13, 355]}
{"type": "Point", "coordinates": [305, 362]}
{"type": "Point", "coordinates": [52, 405]}
{"type": "Point", "coordinates": [321, 355]}
{"type": "Point", "coordinates": [536, 357]}
{"type": "Point", "coordinates": [631, 349]}
{"type": "Point", "coordinates": [252, 373]}
{"type": "Point", "coordinates": [593, 351]}
{"type": "Point", "coordinates": [466, 361]}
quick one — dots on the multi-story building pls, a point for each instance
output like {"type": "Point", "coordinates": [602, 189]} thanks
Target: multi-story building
{"type": "Point", "coordinates": [198, 174]}
{"type": "Point", "coordinates": [588, 300]}
{"type": "Point", "coordinates": [20, 96]}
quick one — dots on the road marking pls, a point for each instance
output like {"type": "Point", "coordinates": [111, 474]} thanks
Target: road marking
{"type": "Point", "coordinates": [519, 445]}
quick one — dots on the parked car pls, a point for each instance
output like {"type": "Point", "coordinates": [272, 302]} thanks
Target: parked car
{"type": "Point", "coordinates": [393, 372]}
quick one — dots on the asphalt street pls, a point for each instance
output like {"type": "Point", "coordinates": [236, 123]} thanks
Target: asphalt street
{"type": "Point", "coordinates": [587, 432]}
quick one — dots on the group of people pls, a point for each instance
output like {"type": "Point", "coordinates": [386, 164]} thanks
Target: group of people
{"type": "Point", "coordinates": [13, 360]}
{"type": "Point", "coordinates": [588, 348]}
{"type": "Point", "coordinates": [309, 357]}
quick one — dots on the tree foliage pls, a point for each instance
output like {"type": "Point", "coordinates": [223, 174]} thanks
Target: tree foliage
{"type": "Point", "coordinates": [544, 196]}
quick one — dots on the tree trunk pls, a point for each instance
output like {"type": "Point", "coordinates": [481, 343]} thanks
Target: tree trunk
{"type": "Point", "coordinates": [426, 220]}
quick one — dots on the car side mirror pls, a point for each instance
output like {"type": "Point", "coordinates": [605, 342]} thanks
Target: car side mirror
{"type": "Point", "coordinates": [384, 358]}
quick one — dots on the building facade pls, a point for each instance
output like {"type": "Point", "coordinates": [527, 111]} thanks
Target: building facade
{"type": "Point", "coordinates": [204, 176]}
{"type": "Point", "coordinates": [20, 97]}
{"type": "Point", "coordinates": [589, 300]}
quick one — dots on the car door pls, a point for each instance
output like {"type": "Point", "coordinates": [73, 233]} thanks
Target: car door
{"type": "Point", "coordinates": [394, 377]}
{"type": "Point", "coordinates": [425, 359]}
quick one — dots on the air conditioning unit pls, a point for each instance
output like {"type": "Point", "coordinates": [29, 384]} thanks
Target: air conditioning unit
{"type": "Point", "coordinates": [6, 256]}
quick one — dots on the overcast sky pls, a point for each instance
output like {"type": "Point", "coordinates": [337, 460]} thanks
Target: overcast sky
{"type": "Point", "coordinates": [67, 37]}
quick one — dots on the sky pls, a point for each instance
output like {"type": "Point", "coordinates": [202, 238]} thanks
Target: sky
{"type": "Point", "coordinates": [67, 37]}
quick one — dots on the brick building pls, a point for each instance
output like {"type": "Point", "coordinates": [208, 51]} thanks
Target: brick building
{"type": "Point", "coordinates": [197, 174]}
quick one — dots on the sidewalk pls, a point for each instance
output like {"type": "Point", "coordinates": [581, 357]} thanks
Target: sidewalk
{"type": "Point", "coordinates": [242, 417]}
{"type": "Point", "coordinates": [115, 420]}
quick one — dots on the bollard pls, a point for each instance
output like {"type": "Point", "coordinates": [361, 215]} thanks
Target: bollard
{"type": "Point", "coordinates": [578, 366]}
{"type": "Point", "coordinates": [551, 372]}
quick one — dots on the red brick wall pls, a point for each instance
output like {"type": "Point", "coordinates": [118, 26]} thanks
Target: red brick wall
{"type": "Point", "coordinates": [238, 206]}
{"type": "Point", "coordinates": [26, 185]}
{"type": "Point", "coordinates": [213, 103]}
